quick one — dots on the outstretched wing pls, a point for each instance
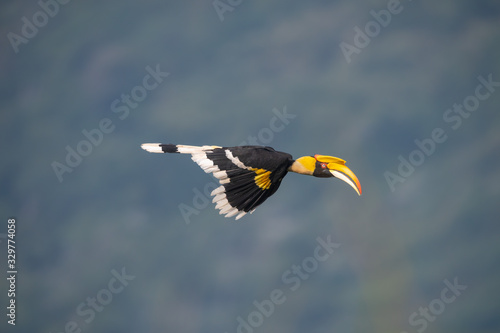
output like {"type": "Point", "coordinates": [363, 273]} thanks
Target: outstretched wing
{"type": "Point", "coordinates": [248, 175]}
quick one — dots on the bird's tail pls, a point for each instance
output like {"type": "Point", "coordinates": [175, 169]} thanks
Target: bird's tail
{"type": "Point", "coordinates": [170, 148]}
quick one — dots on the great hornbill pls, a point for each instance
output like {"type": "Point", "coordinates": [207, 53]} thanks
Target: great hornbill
{"type": "Point", "coordinates": [248, 175]}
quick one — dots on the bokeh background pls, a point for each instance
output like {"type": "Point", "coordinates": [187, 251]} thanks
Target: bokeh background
{"type": "Point", "coordinates": [230, 65]}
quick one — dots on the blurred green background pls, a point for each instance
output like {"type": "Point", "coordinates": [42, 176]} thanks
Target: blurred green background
{"type": "Point", "coordinates": [231, 63]}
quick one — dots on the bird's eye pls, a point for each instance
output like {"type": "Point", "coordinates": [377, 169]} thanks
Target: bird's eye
{"type": "Point", "coordinates": [323, 165]}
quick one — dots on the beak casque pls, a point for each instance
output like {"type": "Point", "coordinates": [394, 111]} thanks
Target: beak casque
{"type": "Point", "coordinates": [339, 170]}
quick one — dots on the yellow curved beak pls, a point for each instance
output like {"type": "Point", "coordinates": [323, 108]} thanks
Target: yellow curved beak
{"type": "Point", "coordinates": [340, 171]}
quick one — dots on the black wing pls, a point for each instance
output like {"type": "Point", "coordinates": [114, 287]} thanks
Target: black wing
{"type": "Point", "coordinates": [248, 176]}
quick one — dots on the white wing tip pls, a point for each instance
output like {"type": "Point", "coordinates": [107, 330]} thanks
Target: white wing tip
{"type": "Point", "coordinates": [240, 215]}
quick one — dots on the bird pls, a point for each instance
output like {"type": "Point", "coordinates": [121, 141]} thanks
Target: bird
{"type": "Point", "coordinates": [249, 175]}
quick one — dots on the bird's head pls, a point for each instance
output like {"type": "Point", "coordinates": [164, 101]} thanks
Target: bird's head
{"type": "Point", "coordinates": [326, 166]}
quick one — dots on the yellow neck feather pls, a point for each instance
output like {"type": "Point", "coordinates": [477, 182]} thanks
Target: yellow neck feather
{"type": "Point", "coordinates": [304, 165]}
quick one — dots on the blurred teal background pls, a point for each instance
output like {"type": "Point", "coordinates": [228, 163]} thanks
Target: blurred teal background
{"type": "Point", "coordinates": [230, 64]}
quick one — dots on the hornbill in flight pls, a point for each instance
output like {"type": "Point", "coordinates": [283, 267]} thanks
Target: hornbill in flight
{"type": "Point", "coordinates": [248, 175]}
